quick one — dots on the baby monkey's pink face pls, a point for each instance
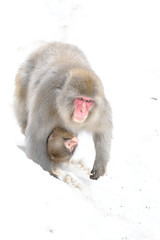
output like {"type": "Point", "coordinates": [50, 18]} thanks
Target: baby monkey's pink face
{"type": "Point", "coordinates": [82, 108]}
{"type": "Point", "coordinates": [71, 144]}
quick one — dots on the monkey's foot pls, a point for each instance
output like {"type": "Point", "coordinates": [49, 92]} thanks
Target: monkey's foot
{"type": "Point", "coordinates": [58, 173]}
{"type": "Point", "coordinates": [66, 177]}
{"type": "Point", "coordinates": [73, 182]}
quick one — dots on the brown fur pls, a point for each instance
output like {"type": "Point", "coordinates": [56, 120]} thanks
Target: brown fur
{"type": "Point", "coordinates": [20, 95]}
{"type": "Point", "coordinates": [56, 147]}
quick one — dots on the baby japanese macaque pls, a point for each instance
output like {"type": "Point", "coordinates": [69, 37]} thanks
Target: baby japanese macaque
{"type": "Point", "coordinates": [61, 145]}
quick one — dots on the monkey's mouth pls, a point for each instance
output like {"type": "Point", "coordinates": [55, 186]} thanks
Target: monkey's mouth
{"type": "Point", "coordinates": [79, 119]}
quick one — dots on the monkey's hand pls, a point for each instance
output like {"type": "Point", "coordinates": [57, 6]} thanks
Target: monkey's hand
{"type": "Point", "coordinates": [96, 173]}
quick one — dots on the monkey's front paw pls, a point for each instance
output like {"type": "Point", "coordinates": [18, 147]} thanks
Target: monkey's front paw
{"type": "Point", "coordinates": [95, 174]}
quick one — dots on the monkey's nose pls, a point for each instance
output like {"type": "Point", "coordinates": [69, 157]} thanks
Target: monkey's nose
{"type": "Point", "coordinates": [83, 107]}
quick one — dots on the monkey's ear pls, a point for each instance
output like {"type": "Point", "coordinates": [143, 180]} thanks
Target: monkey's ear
{"type": "Point", "coordinates": [53, 134]}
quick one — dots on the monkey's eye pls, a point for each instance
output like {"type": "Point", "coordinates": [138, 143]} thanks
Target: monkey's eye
{"type": "Point", "coordinates": [67, 139]}
{"type": "Point", "coordinates": [88, 101]}
{"type": "Point", "coordinates": [80, 98]}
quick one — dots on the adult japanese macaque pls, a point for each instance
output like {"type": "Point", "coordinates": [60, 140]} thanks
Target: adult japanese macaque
{"type": "Point", "coordinates": [61, 145]}
{"type": "Point", "coordinates": [56, 87]}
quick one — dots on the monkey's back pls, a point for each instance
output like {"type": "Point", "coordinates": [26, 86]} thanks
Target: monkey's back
{"type": "Point", "coordinates": [58, 55]}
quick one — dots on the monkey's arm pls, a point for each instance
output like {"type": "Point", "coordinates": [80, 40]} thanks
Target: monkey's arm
{"type": "Point", "coordinates": [102, 143]}
{"type": "Point", "coordinates": [38, 129]}
{"type": "Point", "coordinates": [102, 140]}
{"type": "Point", "coordinates": [36, 150]}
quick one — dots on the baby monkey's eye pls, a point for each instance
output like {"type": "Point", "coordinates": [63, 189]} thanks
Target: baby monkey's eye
{"type": "Point", "coordinates": [89, 101]}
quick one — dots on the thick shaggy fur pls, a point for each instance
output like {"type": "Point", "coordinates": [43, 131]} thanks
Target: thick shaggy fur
{"type": "Point", "coordinates": [46, 86]}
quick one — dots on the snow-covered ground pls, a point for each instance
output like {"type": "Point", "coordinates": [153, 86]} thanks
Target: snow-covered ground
{"type": "Point", "coordinates": [122, 42]}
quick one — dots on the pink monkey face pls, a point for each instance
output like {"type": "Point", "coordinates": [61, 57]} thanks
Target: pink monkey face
{"type": "Point", "coordinates": [71, 144]}
{"type": "Point", "coordinates": [82, 107]}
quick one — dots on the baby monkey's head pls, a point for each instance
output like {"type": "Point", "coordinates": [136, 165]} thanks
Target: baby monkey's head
{"type": "Point", "coordinates": [61, 145]}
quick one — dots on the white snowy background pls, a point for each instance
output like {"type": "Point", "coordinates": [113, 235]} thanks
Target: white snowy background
{"type": "Point", "coordinates": [121, 40]}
